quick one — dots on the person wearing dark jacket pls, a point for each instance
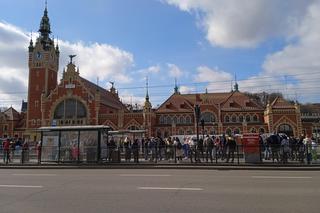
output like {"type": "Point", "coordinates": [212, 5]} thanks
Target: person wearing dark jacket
{"type": "Point", "coordinates": [231, 146]}
{"type": "Point", "coordinates": [135, 151]}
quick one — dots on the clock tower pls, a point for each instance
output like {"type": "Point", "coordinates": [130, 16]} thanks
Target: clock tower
{"type": "Point", "coordinates": [43, 71]}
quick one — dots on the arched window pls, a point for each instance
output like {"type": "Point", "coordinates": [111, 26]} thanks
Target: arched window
{"type": "Point", "coordinates": [169, 120]}
{"type": "Point", "coordinates": [181, 132]}
{"type": "Point", "coordinates": [236, 131]}
{"type": "Point", "coordinates": [213, 131]}
{"type": "Point", "coordinates": [182, 120]}
{"type": "Point", "coordinates": [161, 120]}
{"type": "Point", "coordinates": [234, 118]}
{"type": "Point", "coordinates": [248, 118]}
{"type": "Point", "coordinates": [165, 120]}
{"type": "Point", "coordinates": [228, 131]}
{"type": "Point", "coordinates": [253, 130]}
{"type": "Point", "coordinates": [241, 118]}
{"type": "Point", "coordinates": [208, 117]}
{"type": "Point", "coordinates": [133, 127]}
{"type": "Point", "coordinates": [227, 119]}
{"type": "Point", "coordinates": [70, 109]}
{"type": "Point", "coordinates": [174, 120]}
{"type": "Point", "coordinates": [286, 129]}
{"type": "Point", "coordinates": [188, 120]}
{"type": "Point", "coordinates": [261, 130]}
{"type": "Point", "coordinates": [255, 118]}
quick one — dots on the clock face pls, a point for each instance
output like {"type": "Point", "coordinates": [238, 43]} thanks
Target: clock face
{"type": "Point", "coordinates": [39, 55]}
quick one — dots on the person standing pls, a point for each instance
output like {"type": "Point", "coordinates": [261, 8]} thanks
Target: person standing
{"type": "Point", "coordinates": [135, 151]}
{"type": "Point", "coordinates": [6, 151]}
{"type": "Point", "coordinates": [231, 146]}
{"type": "Point", "coordinates": [208, 143]}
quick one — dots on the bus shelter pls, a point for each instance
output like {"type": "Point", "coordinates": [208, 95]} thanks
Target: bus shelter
{"type": "Point", "coordinates": [119, 138]}
{"type": "Point", "coordinates": [67, 144]}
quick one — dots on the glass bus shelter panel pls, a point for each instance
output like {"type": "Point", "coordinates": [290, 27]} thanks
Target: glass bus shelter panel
{"type": "Point", "coordinates": [88, 146]}
{"type": "Point", "coordinates": [104, 147]}
{"type": "Point", "coordinates": [50, 146]}
{"type": "Point", "coordinates": [69, 146]}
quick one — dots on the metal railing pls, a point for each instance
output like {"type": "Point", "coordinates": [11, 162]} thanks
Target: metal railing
{"type": "Point", "coordinates": [305, 154]}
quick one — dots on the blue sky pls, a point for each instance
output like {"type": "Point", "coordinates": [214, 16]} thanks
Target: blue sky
{"type": "Point", "coordinates": [203, 42]}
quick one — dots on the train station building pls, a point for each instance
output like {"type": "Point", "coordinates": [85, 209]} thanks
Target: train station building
{"type": "Point", "coordinates": [75, 100]}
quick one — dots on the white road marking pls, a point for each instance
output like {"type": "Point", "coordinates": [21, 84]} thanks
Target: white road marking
{"type": "Point", "coordinates": [143, 175]}
{"type": "Point", "coordinates": [34, 174]}
{"type": "Point", "coordinates": [165, 188]}
{"type": "Point", "coordinates": [19, 186]}
{"type": "Point", "coordinates": [280, 177]}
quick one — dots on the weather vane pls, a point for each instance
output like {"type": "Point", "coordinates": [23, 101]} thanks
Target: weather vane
{"type": "Point", "coordinates": [71, 57]}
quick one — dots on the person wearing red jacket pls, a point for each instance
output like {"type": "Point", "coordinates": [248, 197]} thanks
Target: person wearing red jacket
{"type": "Point", "coordinates": [6, 151]}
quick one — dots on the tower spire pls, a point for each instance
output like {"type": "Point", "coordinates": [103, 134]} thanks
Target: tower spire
{"type": "Point", "coordinates": [45, 29]}
{"type": "Point", "coordinates": [147, 89]}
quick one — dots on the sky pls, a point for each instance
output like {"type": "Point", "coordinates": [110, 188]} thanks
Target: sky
{"type": "Point", "coordinates": [265, 45]}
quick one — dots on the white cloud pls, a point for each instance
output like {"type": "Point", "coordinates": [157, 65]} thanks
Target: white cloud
{"type": "Point", "coordinates": [299, 61]}
{"type": "Point", "coordinates": [95, 60]}
{"type": "Point", "coordinates": [150, 70]}
{"type": "Point", "coordinates": [186, 89]}
{"type": "Point", "coordinates": [99, 60]}
{"type": "Point", "coordinates": [245, 23]}
{"type": "Point", "coordinates": [174, 71]}
{"type": "Point", "coordinates": [218, 80]}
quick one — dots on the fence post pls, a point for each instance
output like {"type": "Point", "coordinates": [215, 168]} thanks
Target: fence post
{"type": "Point", "coordinates": [175, 153]}
{"type": "Point", "coordinates": [156, 153]}
{"type": "Point", "coordinates": [238, 154]}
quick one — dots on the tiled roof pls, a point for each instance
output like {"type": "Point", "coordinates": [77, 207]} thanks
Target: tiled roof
{"type": "Point", "coordinates": [280, 103]}
{"type": "Point", "coordinates": [227, 101]}
{"type": "Point", "coordinates": [176, 103]}
{"type": "Point", "coordinates": [11, 114]}
{"type": "Point", "coordinates": [107, 98]}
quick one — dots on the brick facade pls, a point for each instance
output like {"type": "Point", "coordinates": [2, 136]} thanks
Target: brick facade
{"type": "Point", "coordinates": [49, 101]}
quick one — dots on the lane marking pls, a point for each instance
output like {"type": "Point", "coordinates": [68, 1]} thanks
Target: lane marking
{"type": "Point", "coordinates": [34, 174]}
{"type": "Point", "coordinates": [166, 188]}
{"type": "Point", "coordinates": [19, 186]}
{"type": "Point", "coordinates": [143, 175]}
{"type": "Point", "coordinates": [280, 177]}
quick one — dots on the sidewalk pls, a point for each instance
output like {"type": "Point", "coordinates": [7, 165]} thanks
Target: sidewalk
{"type": "Point", "coordinates": [202, 166]}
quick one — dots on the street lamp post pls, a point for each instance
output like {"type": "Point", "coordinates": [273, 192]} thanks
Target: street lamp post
{"type": "Point", "coordinates": [197, 116]}
{"type": "Point", "coordinates": [202, 125]}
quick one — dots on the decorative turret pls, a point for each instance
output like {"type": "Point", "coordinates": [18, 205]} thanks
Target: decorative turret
{"type": "Point", "coordinates": [57, 47]}
{"type": "Point", "coordinates": [147, 105]}
{"type": "Point", "coordinates": [236, 86]}
{"type": "Point", "coordinates": [31, 47]}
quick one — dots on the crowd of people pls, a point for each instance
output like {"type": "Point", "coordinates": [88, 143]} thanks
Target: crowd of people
{"type": "Point", "coordinates": [156, 149]}
{"type": "Point", "coordinates": [12, 147]}
{"type": "Point", "coordinates": [281, 148]}
{"type": "Point", "coordinates": [277, 148]}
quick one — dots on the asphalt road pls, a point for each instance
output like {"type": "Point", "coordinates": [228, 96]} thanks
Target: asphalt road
{"type": "Point", "coordinates": [93, 190]}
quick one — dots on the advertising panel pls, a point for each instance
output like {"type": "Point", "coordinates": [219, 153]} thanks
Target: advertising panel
{"type": "Point", "coordinates": [251, 147]}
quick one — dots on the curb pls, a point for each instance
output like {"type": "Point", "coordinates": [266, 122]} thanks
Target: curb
{"type": "Point", "coordinates": [170, 166]}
